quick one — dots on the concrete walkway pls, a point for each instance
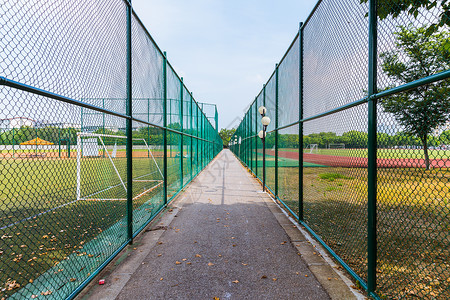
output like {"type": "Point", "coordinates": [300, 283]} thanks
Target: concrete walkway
{"type": "Point", "coordinates": [221, 239]}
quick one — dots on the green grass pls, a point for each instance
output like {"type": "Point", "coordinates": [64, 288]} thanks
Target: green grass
{"type": "Point", "coordinates": [333, 176]}
{"type": "Point", "coordinates": [382, 153]}
{"type": "Point", "coordinates": [413, 224]}
{"type": "Point", "coordinates": [32, 187]}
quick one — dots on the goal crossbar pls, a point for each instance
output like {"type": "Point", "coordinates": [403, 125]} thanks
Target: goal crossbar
{"type": "Point", "coordinates": [122, 183]}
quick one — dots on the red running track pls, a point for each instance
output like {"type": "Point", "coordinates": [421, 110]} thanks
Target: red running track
{"type": "Point", "coordinates": [361, 162]}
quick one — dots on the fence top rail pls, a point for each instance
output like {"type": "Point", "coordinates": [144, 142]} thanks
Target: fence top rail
{"type": "Point", "coordinates": [275, 70]}
{"type": "Point", "coordinates": [27, 88]}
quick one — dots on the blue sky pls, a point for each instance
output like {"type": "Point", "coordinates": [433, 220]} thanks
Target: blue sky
{"type": "Point", "coordinates": [225, 50]}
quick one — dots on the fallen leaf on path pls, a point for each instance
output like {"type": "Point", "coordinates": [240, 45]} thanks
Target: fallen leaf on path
{"type": "Point", "coordinates": [189, 263]}
{"type": "Point", "coordinates": [274, 279]}
{"type": "Point", "coordinates": [244, 264]}
{"type": "Point", "coordinates": [263, 277]}
{"type": "Point", "coordinates": [210, 264]}
{"type": "Point", "coordinates": [283, 243]}
{"type": "Point", "coordinates": [236, 281]}
{"type": "Point", "coordinates": [216, 298]}
{"type": "Point", "coordinates": [161, 279]}
{"type": "Point", "coordinates": [198, 255]}
{"type": "Point", "coordinates": [184, 259]}
{"type": "Point", "coordinates": [178, 263]}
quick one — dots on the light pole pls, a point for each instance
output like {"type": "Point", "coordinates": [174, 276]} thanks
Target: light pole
{"type": "Point", "coordinates": [262, 135]}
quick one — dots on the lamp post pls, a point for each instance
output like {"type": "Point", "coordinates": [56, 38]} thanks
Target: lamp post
{"type": "Point", "coordinates": [262, 135]}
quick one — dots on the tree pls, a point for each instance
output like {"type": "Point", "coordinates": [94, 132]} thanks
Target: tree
{"type": "Point", "coordinates": [419, 55]}
{"type": "Point", "coordinates": [393, 8]}
{"type": "Point", "coordinates": [226, 135]}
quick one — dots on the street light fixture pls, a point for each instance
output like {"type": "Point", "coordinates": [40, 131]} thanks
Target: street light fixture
{"type": "Point", "coordinates": [262, 135]}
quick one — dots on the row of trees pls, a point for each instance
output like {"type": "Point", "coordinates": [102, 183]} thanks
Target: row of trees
{"type": "Point", "coordinates": [356, 139]}
{"type": "Point", "coordinates": [63, 136]}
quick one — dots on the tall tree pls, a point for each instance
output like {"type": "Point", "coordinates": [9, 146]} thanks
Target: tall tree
{"type": "Point", "coordinates": [419, 54]}
{"type": "Point", "coordinates": [226, 135]}
{"type": "Point", "coordinates": [393, 8]}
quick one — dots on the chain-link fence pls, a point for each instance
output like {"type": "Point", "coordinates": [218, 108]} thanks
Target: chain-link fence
{"type": "Point", "coordinates": [358, 146]}
{"type": "Point", "coordinates": [97, 134]}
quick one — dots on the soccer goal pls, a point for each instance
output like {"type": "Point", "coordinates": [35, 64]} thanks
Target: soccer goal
{"type": "Point", "coordinates": [336, 146]}
{"type": "Point", "coordinates": [102, 167]}
{"type": "Point", "coordinates": [313, 148]}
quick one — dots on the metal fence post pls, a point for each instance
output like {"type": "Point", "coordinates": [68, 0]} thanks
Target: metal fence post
{"type": "Point", "coordinates": [165, 124]}
{"type": "Point", "coordinates": [276, 130]}
{"type": "Point", "coordinates": [181, 136]}
{"type": "Point", "coordinates": [264, 148]}
{"type": "Point", "coordinates": [256, 138]}
{"type": "Point", "coordinates": [129, 131]}
{"type": "Point", "coordinates": [192, 139]}
{"type": "Point", "coordinates": [372, 152]}
{"type": "Point", "coordinates": [300, 125]}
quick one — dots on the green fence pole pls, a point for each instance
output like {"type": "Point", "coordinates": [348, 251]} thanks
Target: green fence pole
{"type": "Point", "coordinates": [264, 149]}
{"type": "Point", "coordinates": [129, 132]}
{"type": "Point", "coordinates": [276, 130]}
{"type": "Point", "coordinates": [256, 138]}
{"type": "Point", "coordinates": [103, 123]}
{"type": "Point", "coordinates": [372, 153]}
{"type": "Point", "coordinates": [59, 142]}
{"type": "Point", "coordinates": [165, 124]}
{"type": "Point", "coordinates": [13, 142]}
{"type": "Point", "coordinates": [181, 136]}
{"type": "Point", "coordinates": [300, 125]}
{"type": "Point", "coordinates": [148, 127]}
{"type": "Point", "coordinates": [197, 116]}
{"type": "Point", "coordinates": [192, 139]}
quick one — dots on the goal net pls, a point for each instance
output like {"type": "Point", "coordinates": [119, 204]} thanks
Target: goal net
{"type": "Point", "coordinates": [102, 167]}
{"type": "Point", "coordinates": [313, 148]}
{"type": "Point", "coordinates": [336, 146]}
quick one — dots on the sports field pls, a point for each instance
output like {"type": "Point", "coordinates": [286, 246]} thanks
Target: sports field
{"type": "Point", "coordinates": [357, 158]}
{"type": "Point", "coordinates": [44, 223]}
{"type": "Point", "coordinates": [413, 222]}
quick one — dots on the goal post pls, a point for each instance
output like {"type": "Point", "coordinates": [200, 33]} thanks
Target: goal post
{"type": "Point", "coordinates": [336, 146]}
{"type": "Point", "coordinates": [313, 148]}
{"type": "Point", "coordinates": [101, 153]}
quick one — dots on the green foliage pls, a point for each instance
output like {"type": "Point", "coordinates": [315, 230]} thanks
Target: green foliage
{"type": "Point", "coordinates": [226, 135]}
{"type": "Point", "coordinates": [393, 8]}
{"type": "Point", "coordinates": [333, 176]}
{"type": "Point", "coordinates": [419, 55]}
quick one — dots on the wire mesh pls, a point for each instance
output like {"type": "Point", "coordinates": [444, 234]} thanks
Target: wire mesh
{"type": "Point", "coordinates": [322, 94]}
{"type": "Point", "coordinates": [64, 177]}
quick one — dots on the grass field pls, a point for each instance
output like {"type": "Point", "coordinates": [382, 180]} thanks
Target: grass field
{"type": "Point", "coordinates": [42, 223]}
{"type": "Point", "coordinates": [413, 223]}
{"type": "Point", "coordinates": [381, 153]}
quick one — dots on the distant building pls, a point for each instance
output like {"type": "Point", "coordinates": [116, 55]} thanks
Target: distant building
{"type": "Point", "coordinates": [44, 124]}
{"type": "Point", "coordinates": [18, 122]}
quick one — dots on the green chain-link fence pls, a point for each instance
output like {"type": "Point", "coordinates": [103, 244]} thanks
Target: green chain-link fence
{"type": "Point", "coordinates": [98, 133]}
{"type": "Point", "coordinates": [358, 147]}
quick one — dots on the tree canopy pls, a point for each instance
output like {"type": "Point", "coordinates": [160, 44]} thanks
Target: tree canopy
{"type": "Point", "coordinates": [418, 55]}
{"type": "Point", "coordinates": [226, 135]}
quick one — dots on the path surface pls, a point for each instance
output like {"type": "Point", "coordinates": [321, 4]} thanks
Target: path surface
{"type": "Point", "coordinates": [224, 242]}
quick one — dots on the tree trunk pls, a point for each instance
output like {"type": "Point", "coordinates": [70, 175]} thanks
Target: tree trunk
{"type": "Point", "coordinates": [425, 151]}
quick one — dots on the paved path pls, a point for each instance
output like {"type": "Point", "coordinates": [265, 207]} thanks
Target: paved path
{"type": "Point", "coordinates": [224, 242]}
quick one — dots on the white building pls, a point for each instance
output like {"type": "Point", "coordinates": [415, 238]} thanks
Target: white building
{"type": "Point", "coordinates": [17, 122]}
